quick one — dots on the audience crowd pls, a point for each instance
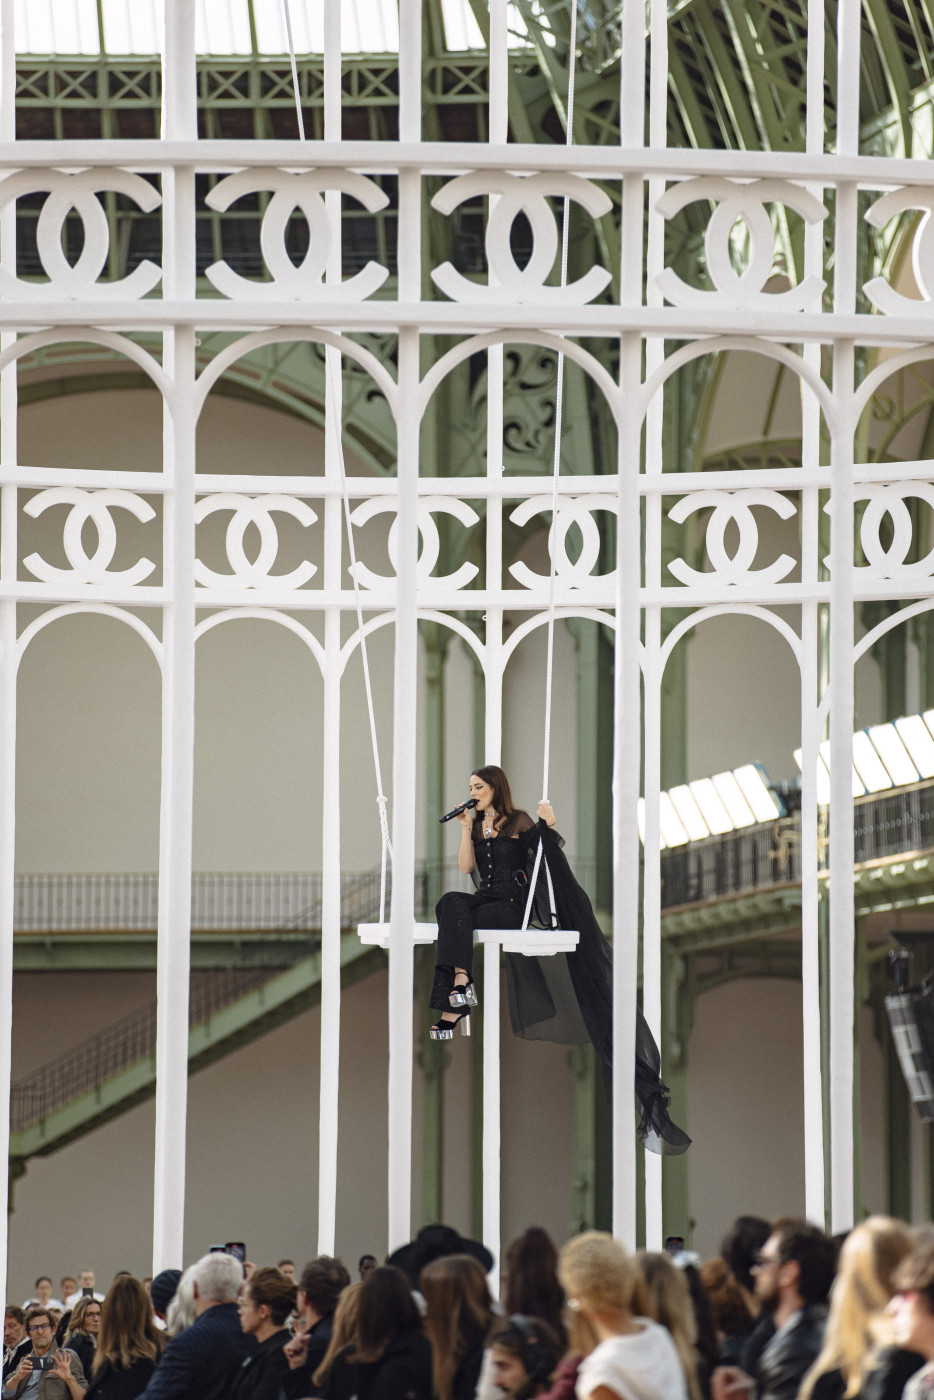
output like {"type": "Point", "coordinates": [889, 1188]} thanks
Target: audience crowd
{"type": "Point", "coordinates": [783, 1313]}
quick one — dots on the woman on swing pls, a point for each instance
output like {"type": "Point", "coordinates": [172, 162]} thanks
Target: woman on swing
{"type": "Point", "coordinates": [566, 998]}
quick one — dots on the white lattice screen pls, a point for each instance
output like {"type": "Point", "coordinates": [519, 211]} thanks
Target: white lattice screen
{"type": "Point", "coordinates": [812, 328]}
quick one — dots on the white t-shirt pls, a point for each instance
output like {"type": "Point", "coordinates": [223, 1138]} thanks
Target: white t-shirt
{"type": "Point", "coordinates": [643, 1366]}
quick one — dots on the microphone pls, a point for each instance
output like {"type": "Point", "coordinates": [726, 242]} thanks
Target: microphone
{"type": "Point", "coordinates": [464, 807]}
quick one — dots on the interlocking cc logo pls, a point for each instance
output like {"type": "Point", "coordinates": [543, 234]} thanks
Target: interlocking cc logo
{"type": "Point", "coordinates": [572, 510]}
{"type": "Point", "coordinates": [79, 192]}
{"type": "Point", "coordinates": [430, 540]}
{"type": "Point", "coordinates": [732, 507]}
{"type": "Point", "coordinates": [880, 293]}
{"type": "Point", "coordinates": [740, 202]}
{"type": "Point", "coordinates": [889, 500]}
{"type": "Point", "coordinates": [87, 506]}
{"type": "Point", "coordinates": [528, 195]}
{"type": "Point", "coordinates": [254, 510]}
{"type": "Point", "coordinates": [303, 191]}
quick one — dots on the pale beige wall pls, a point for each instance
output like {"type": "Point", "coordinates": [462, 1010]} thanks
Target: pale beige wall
{"type": "Point", "coordinates": [253, 1139]}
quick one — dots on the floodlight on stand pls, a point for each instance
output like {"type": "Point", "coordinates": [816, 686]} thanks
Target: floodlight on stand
{"type": "Point", "coordinates": [711, 807]}
{"type": "Point", "coordinates": [857, 787]}
{"type": "Point", "coordinates": [869, 765]}
{"type": "Point", "coordinates": [671, 826]}
{"type": "Point", "coordinates": [753, 781]}
{"type": "Point", "coordinates": [919, 742]}
{"type": "Point", "coordinates": [731, 795]}
{"type": "Point", "coordinates": [887, 743]}
{"type": "Point", "coordinates": [689, 812]}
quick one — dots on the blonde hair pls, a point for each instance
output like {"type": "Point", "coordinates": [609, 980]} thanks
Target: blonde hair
{"type": "Point", "coordinates": [670, 1303]}
{"type": "Point", "coordinates": [857, 1325]}
{"type": "Point", "coordinates": [599, 1276]}
{"type": "Point", "coordinates": [344, 1330]}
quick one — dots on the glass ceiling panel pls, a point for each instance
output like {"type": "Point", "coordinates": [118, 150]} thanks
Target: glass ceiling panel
{"type": "Point", "coordinates": [223, 26]}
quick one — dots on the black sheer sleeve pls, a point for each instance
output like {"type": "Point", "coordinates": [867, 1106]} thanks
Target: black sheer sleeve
{"type": "Point", "coordinates": [568, 998]}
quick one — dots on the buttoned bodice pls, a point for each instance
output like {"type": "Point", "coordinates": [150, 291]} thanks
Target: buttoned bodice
{"type": "Point", "coordinates": [501, 867]}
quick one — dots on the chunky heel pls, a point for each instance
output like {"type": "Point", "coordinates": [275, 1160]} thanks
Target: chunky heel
{"type": "Point", "coordinates": [444, 1030]}
{"type": "Point", "coordinates": [463, 996]}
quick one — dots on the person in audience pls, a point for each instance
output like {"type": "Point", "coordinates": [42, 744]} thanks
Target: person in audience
{"type": "Point", "coordinates": [458, 1315]}
{"type": "Point", "coordinates": [201, 1362]}
{"type": "Point", "coordinates": [391, 1359]}
{"type": "Point", "coordinates": [524, 1354]}
{"type": "Point", "coordinates": [322, 1283]}
{"type": "Point", "coordinates": [531, 1288]}
{"type": "Point", "coordinates": [794, 1271]}
{"type": "Point", "coordinates": [162, 1290]}
{"type": "Point", "coordinates": [181, 1311]}
{"type": "Point", "coordinates": [85, 1280]}
{"type": "Point", "coordinates": [129, 1344]}
{"type": "Point", "coordinates": [265, 1304]}
{"type": "Point", "coordinates": [365, 1267]}
{"type": "Point", "coordinates": [46, 1371]}
{"type": "Point", "coordinates": [81, 1333]}
{"type": "Point", "coordinates": [732, 1318]}
{"type": "Point", "coordinates": [287, 1267]}
{"type": "Point", "coordinates": [67, 1286]}
{"type": "Point", "coordinates": [912, 1310]}
{"type": "Point", "coordinates": [668, 1302]}
{"type": "Point", "coordinates": [344, 1335]}
{"type": "Point", "coordinates": [625, 1353]}
{"type": "Point", "coordinates": [15, 1342]}
{"type": "Point", "coordinates": [42, 1298]}
{"type": "Point", "coordinates": [859, 1356]}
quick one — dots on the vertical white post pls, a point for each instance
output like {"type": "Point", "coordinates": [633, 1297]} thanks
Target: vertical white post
{"type": "Point", "coordinates": [842, 903]}
{"type": "Point", "coordinates": [329, 1095]}
{"type": "Point", "coordinates": [493, 680]}
{"type": "Point", "coordinates": [8, 547]}
{"type": "Point", "coordinates": [404, 788]}
{"type": "Point", "coordinates": [179, 122]}
{"type": "Point", "coordinates": [810, 738]}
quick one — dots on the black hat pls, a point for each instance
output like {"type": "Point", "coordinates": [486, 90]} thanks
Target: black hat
{"type": "Point", "coordinates": [435, 1242]}
{"type": "Point", "coordinates": [163, 1289]}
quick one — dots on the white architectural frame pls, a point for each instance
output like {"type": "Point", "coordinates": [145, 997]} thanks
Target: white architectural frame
{"type": "Point", "coordinates": [312, 302]}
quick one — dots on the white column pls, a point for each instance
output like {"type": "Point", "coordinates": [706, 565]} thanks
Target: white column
{"type": "Point", "coordinates": [404, 796]}
{"type": "Point", "coordinates": [810, 738]}
{"type": "Point", "coordinates": [329, 1092]}
{"type": "Point", "coordinates": [8, 545]}
{"type": "Point", "coordinates": [174, 935]}
{"type": "Point", "coordinates": [842, 903]}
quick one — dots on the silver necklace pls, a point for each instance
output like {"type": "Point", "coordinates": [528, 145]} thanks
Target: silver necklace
{"type": "Point", "coordinates": [488, 829]}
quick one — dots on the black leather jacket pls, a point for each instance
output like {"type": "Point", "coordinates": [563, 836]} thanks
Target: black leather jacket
{"type": "Point", "coordinates": [791, 1353]}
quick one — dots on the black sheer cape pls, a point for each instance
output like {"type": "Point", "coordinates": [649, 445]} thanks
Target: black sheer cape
{"type": "Point", "coordinates": [568, 998]}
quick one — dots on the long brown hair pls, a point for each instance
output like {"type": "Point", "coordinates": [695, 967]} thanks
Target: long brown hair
{"type": "Point", "coordinates": [669, 1299]}
{"type": "Point", "coordinates": [76, 1322]}
{"type": "Point", "coordinates": [344, 1330]}
{"type": "Point", "coordinates": [458, 1308]}
{"type": "Point", "coordinates": [506, 810]}
{"type": "Point", "coordinates": [128, 1332]}
{"type": "Point", "coordinates": [385, 1309]}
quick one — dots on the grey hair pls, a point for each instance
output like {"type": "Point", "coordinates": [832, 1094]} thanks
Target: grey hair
{"type": "Point", "coordinates": [181, 1311]}
{"type": "Point", "coordinates": [219, 1277]}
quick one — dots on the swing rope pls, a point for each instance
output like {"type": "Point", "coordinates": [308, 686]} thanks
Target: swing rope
{"type": "Point", "coordinates": [555, 480]}
{"type": "Point", "coordinates": [334, 424]}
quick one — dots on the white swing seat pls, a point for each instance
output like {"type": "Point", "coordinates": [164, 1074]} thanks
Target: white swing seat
{"type": "Point", "coordinates": [531, 943]}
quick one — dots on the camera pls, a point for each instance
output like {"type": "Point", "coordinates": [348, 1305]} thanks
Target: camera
{"type": "Point", "coordinates": [44, 1363]}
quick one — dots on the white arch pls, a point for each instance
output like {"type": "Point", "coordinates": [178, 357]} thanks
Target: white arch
{"type": "Point", "coordinates": [453, 624]}
{"type": "Point", "coordinates": [265, 615]}
{"type": "Point", "coordinates": [885, 371]}
{"type": "Point", "coordinates": [715, 344]}
{"type": "Point", "coordinates": [103, 610]}
{"type": "Point", "coordinates": [560, 346]}
{"type": "Point", "coordinates": [783, 628]}
{"type": "Point", "coordinates": [525, 629]}
{"type": "Point", "coordinates": [108, 339]}
{"type": "Point", "coordinates": [231, 353]}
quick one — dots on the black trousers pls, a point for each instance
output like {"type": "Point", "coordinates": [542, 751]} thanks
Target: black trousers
{"type": "Point", "coordinates": [458, 915]}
